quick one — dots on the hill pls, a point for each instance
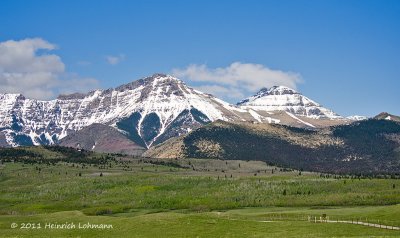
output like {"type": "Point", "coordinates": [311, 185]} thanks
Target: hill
{"type": "Point", "coordinates": [387, 116]}
{"type": "Point", "coordinates": [102, 138]}
{"type": "Point", "coordinates": [364, 147]}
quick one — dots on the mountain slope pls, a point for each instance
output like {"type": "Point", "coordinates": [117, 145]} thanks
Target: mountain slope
{"type": "Point", "coordinates": [367, 147]}
{"type": "Point", "coordinates": [280, 98]}
{"type": "Point", "coordinates": [387, 116]}
{"type": "Point", "coordinates": [102, 138]}
{"type": "Point", "coordinates": [148, 111]}
{"type": "Point", "coordinates": [144, 109]}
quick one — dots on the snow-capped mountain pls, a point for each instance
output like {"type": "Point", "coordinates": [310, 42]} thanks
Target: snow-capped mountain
{"type": "Point", "coordinates": [147, 111]}
{"type": "Point", "coordinates": [357, 118]}
{"type": "Point", "coordinates": [280, 98]}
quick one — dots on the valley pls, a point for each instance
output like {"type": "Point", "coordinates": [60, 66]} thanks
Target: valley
{"type": "Point", "coordinates": [143, 197]}
{"type": "Point", "coordinates": [156, 158]}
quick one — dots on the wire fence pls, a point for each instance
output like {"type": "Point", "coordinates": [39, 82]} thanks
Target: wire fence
{"type": "Point", "coordinates": [365, 221]}
{"type": "Point", "coordinates": [383, 224]}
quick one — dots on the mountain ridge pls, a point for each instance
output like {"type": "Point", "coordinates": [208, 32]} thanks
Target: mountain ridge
{"type": "Point", "coordinates": [148, 111]}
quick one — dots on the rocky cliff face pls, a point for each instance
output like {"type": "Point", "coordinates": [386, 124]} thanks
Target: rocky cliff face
{"type": "Point", "coordinates": [147, 111]}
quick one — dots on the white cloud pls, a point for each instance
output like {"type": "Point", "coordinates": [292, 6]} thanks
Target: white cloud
{"type": "Point", "coordinates": [113, 60]}
{"type": "Point", "coordinates": [236, 79]}
{"type": "Point", "coordinates": [27, 67]}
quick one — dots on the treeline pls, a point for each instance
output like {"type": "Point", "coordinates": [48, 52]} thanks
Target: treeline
{"type": "Point", "coordinates": [163, 163]}
{"type": "Point", "coordinates": [12, 153]}
{"type": "Point", "coordinates": [40, 154]}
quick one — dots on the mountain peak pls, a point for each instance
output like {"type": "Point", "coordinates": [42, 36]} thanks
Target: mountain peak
{"type": "Point", "coordinates": [276, 90]}
{"type": "Point", "coordinates": [282, 90]}
{"type": "Point", "coordinates": [264, 92]}
{"type": "Point", "coordinates": [165, 78]}
{"type": "Point", "coordinates": [387, 116]}
{"type": "Point", "coordinates": [155, 79]}
{"type": "Point", "coordinates": [282, 98]}
{"type": "Point", "coordinates": [161, 77]}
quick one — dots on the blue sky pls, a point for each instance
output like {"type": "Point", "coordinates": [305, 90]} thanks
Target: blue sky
{"type": "Point", "coordinates": [343, 54]}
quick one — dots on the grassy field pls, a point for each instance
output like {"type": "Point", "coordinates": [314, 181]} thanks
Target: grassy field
{"type": "Point", "coordinates": [232, 223]}
{"type": "Point", "coordinates": [190, 198]}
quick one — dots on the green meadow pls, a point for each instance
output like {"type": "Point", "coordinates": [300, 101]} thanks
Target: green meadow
{"type": "Point", "coordinates": [189, 198]}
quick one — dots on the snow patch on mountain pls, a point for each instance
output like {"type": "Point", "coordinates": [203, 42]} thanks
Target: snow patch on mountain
{"type": "Point", "coordinates": [357, 118]}
{"type": "Point", "coordinates": [148, 111]}
{"type": "Point", "coordinates": [280, 98]}
{"type": "Point", "coordinates": [158, 100]}
{"type": "Point", "coordinates": [299, 120]}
